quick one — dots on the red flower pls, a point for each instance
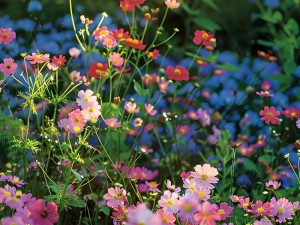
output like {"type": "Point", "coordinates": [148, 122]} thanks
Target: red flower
{"type": "Point", "coordinates": [178, 73]}
{"type": "Point", "coordinates": [203, 37]}
{"type": "Point", "coordinates": [134, 43]}
{"type": "Point", "coordinates": [269, 114]}
{"type": "Point", "coordinates": [154, 54]}
{"type": "Point", "coordinates": [291, 112]}
{"type": "Point", "coordinates": [127, 6]}
{"type": "Point", "coordinates": [120, 34]}
{"type": "Point", "coordinates": [59, 61]}
{"type": "Point", "coordinates": [98, 70]}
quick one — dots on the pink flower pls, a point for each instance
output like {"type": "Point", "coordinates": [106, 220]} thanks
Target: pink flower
{"type": "Point", "coordinates": [116, 59]}
{"type": "Point", "coordinates": [166, 217]}
{"type": "Point", "coordinates": [172, 4]}
{"type": "Point", "coordinates": [263, 221]}
{"type": "Point", "coordinates": [269, 115]}
{"type": "Point", "coordinates": [100, 33]}
{"type": "Point", "coordinates": [202, 193]}
{"type": "Point", "coordinates": [7, 36]}
{"type": "Point", "coordinates": [178, 73]}
{"type": "Point", "coordinates": [131, 107]}
{"type": "Point", "coordinates": [74, 52]}
{"type": "Point", "coordinates": [138, 122]}
{"type": "Point", "coordinates": [207, 214]}
{"type": "Point", "coordinates": [205, 175]}
{"type": "Point", "coordinates": [42, 213]}
{"type": "Point", "coordinates": [37, 58]}
{"type": "Point", "coordinates": [109, 41]}
{"type": "Point", "coordinates": [75, 76]}
{"type": "Point", "coordinates": [168, 202]}
{"type": "Point", "coordinates": [150, 109]}
{"type": "Point", "coordinates": [163, 86]}
{"type": "Point", "coordinates": [115, 197]}
{"type": "Point", "coordinates": [12, 220]}
{"type": "Point", "coordinates": [187, 206]}
{"type": "Point", "coordinates": [273, 185]}
{"type": "Point", "coordinates": [92, 112]}
{"type": "Point", "coordinates": [172, 187]}
{"type": "Point", "coordinates": [8, 66]}
{"type": "Point", "coordinates": [86, 99]}
{"type": "Point", "coordinates": [264, 94]}
{"type": "Point", "coordinates": [282, 209]}
{"type": "Point", "coordinates": [142, 215]}
{"type": "Point", "coordinates": [112, 123]}
{"type": "Point", "coordinates": [152, 186]}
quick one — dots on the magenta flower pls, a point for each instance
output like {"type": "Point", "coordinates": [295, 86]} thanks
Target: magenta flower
{"type": "Point", "coordinates": [263, 221]}
{"type": "Point", "coordinates": [264, 94]}
{"type": "Point", "coordinates": [7, 35]}
{"type": "Point", "coordinates": [6, 193]}
{"type": "Point", "coordinates": [17, 220]}
{"type": "Point", "coordinates": [42, 213]}
{"type": "Point", "coordinates": [36, 58]}
{"type": "Point", "coordinates": [75, 76]}
{"type": "Point", "coordinates": [202, 193]}
{"type": "Point", "coordinates": [225, 210]}
{"type": "Point", "coordinates": [269, 115]}
{"type": "Point", "coordinates": [205, 175]}
{"type": "Point", "coordinates": [282, 209]}
{"type": "Point", "coordinates": [260, 209]}
{"type": "Point", "coordinates": [8, 66]}
{"type": "Point", "coordinates": [112, 123]}
{"type": "Point", "coordinates": [142, 215]}
{"type": "Point", "coordinates": [150, 109]}
{"type": "Point", "coordinates": [178, 73]}
{"type": "Point", "coordinates": [15, 181]}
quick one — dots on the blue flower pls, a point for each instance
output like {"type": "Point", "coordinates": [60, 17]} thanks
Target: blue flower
{"type": "Point", "coordinates": [34, 6]}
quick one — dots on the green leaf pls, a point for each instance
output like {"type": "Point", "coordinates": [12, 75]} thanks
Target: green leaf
{"type": "Point", "coordinates": [73, 200]}
{"type": "Point", "coordinates": [272, 17]}
{"type": "Point", "coordinates": [211, 4]}
{"type": "Point", "coordinates": [77, 175]}
{"type": "Point", "coordinates": [138, 88]}
{"type": "Point", "coordinates": [292, 26]}
{"type": "Point", "coordinates": [189, 10]}
{"type": "Point", "coordinates": [228, 67]}
{"type": "Point", "coordinates": [249, 165]}
{"type": "Point", "coordinates": [50, 198]}
{"type": "Point", "coordinates": [124, 155]}
{"type": "Point", "coordinates": [266, 43]}
{"type": "Point", "coordinates": [209, 59]}
{"type": "Point", "coordinates": [206, 23]}
{"type": "Point", "coordinates": [109, 109]}
{"type": "Point", "coordinates": [266, 159]}
{"type": "Point", "coordinates": [53, 188]}
{"type": "Point", "coordinates": [104, 209]}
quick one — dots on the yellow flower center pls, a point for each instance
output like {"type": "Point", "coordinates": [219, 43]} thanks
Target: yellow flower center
{"type": "Point", "coordinates": [260, 210]}
{"type": "Point", "coordinates": [221, 211]}
{"type": "Point", "coordinates": [177, 72]}
{"type": "Point", "coordinates": [204, 177]}
{"type": "Point", "coordinates": [187, 208]}
{"type": "Point", "coordinates": [169, 202]}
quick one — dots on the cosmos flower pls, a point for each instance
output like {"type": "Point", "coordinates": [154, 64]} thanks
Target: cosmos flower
{"type": "Point", "coordinates": [269, 115]}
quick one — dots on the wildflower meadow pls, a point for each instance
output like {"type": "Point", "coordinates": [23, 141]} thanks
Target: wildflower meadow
{"type": "Point", "coordinates": [149, 112]}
